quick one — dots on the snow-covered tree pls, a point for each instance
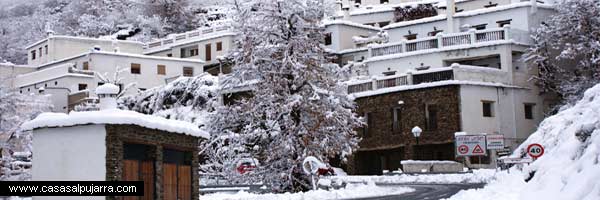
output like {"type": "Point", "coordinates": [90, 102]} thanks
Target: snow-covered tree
{"type": "Point", "coordinates": [186, 98]}
{"type": "Point", "coordinates": [15, 109]}
{"type": "Point", "coordinates": [297, 107]}
{"type": "Point", "coordinates": [567, 49]}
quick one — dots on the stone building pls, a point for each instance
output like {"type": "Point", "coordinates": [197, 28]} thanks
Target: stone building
{"type": "Point", "coordinates": [117, 145]}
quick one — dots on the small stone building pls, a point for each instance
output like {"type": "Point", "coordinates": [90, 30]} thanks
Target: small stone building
{"type": "Point", "coordinates": [117, 145]}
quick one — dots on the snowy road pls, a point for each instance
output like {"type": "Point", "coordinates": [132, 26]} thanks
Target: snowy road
{"type": "Point", "coordinates": [426, 191]}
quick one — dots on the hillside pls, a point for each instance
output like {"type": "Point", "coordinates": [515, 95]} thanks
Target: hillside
{"type": "Point", "coordinates": [569, 169]}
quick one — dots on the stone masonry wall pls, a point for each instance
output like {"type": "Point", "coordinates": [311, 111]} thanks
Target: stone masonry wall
{"type": "Point", "coordinates": [381, 135]}
{"type": "Point", "coordinates": [117, 135]}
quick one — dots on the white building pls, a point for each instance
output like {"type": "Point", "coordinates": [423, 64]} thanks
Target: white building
{"type": "Point", "coordinates": [478, 48]}
{"type": "Point", "coordinates": [69, 67]}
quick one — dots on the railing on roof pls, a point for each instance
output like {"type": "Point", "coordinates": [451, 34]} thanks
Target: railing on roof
{"type": "Point", "coordinates": [189, 35]}
{"type": "Point", "coordinates": [440, 41]}
{"type": "Point", "coordinates": [455, 72]}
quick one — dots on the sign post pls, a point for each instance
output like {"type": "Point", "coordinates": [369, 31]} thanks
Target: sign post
{"type": "Point", "coordinates": [535, 150]}
{"type": "Point", "coordinates": [470, 145]}
{"type": "Point", "coordinates": [495, 141]}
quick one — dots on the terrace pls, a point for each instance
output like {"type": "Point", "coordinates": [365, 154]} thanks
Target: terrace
{"type": "Point", "coordinates": [454, 72]}
{"type": "Point", "coordinates": [442, 41]}
{"type": "Point", "coordinates": [181, 38]}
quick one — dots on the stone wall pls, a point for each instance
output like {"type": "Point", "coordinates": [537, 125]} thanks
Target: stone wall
{"type": "Point", "coordinates": [382, 136]}
{"type": "Point", "coordinates": [117, 135]}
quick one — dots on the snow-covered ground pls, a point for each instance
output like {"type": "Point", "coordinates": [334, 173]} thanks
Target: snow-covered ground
{"type": "Point", "coordinates": [570, 168]}
{"type": "Point", "coordinates": [478, 176]}
{"type": "Point", "coordinates": [350, 191]}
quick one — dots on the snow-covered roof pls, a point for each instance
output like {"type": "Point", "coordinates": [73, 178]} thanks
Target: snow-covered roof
{"type": "Point", "coordinates": [349, 23]}
{"type": "Point", "coordinates": [370, 9]}
{"type": "Point", "coordinates": [107, 88]}
{"type": "Point", "coordinates": [427, 85]}
{"type": "Point", "coordinates": [80, 38]}
{"type": "Point", "coordinates": [113, 116]}
{"type": "Point", "coordinates": [500, 8]}
{"type": "Point", "coordinates": [186, 42]}
{"type": "Point", "coordinates": [417, 21]}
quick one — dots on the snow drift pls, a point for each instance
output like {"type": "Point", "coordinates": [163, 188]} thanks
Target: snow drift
{"type": "Point", "coordinates": [568, 170]}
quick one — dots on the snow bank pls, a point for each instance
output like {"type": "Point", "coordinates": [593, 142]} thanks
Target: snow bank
{"type": "Point", "coordinates": [350, 192]}
{"type": "Point", "coordinates": [478, 176]}
{"type": "Point", "coordinates": [113, 116]}
{"type": "Point", "coordinates": [569, 169]}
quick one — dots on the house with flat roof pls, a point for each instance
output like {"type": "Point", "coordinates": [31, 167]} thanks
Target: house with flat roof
{"type": "Point", "coordinates": [448, 70]}
{"type": "Point", "coordinates": [117, 145]}
{"type": "Point", "coordinates": [73, 66]}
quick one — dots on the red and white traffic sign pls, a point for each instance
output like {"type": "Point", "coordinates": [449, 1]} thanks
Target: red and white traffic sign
{"type": "Point", "coordinates": [463, 149]}
{"type": "Point", "coordinates": [478, 150]}
{"type": "Point", "coordinates": [535, 150]}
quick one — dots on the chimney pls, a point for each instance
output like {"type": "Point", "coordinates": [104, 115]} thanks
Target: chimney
{"type": "Point", "coordinates": [450, 9]}
{"type": "Point", "coordinates": [533, 6]}
{"type": "Point", "coordinates": [49, 33]}
{"type": "Point", "coordinates": [346, 11]}
{"type": "Point", "coordinates": [107, 94]}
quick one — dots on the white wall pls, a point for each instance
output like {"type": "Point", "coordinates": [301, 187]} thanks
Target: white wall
{"type": "Point", "coordinates": [227, 45]}
{"type": "Point", "coordinates": [60, 47]}
{"type": "Point", "coordinates": [148, 78]}
{"type": "Point", "coordinates": [69, 154]}
{"type": "Point", "coordinates": [341, 36]}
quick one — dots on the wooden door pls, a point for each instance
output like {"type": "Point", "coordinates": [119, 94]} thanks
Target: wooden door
{"type": "Point", "coordinates": [169, 181]}
{"type": "Point", "coordinates": [177, 181]}
{"type": "Point", "coordinates": [184, 175]}
{"type": "Point", "coordinates": [136, 170]}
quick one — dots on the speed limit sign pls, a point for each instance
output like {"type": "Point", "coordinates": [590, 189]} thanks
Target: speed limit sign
{"type": "Point", "coordinates": [535, 150]}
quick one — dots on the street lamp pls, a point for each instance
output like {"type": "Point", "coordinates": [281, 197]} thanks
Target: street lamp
{"type": "Point", "coordinates": [416, 131]}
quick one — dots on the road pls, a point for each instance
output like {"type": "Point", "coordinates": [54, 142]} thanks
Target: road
{"type": "Point", "coordinates": [426, 191]}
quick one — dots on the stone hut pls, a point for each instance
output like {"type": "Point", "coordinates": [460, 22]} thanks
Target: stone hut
{"type": "Point", "coordinates": [117, 145]}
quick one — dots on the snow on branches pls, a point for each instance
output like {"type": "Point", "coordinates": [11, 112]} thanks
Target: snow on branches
{"type": "Point", "coordinates": [567, 49]}
{"type": "Point", "coordinates": [297, 107]}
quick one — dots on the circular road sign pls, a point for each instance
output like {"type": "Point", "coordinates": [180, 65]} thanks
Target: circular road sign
{"type": "Point", "coordinates": [463, 149]}
{"type": "Point", "coordinates": [535, 150]}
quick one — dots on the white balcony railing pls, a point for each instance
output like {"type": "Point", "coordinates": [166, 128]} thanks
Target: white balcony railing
{"type": "Point", "coordinates": [441, 41]}
{"type": "Point", "coordinates": [173, 39]}
{"type": "Point", "coordinates": [456, 72]}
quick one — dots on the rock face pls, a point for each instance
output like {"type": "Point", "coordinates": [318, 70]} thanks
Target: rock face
{"type": "Point", "coordinates": [395, 142]}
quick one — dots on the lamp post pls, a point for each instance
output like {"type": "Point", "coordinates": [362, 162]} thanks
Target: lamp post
{"type": "Point", "coordinates": [416, 131]}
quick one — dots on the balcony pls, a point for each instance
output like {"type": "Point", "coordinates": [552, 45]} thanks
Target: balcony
{"type": "Point", "coordinates": [187, 36]}
{"type": "Point", "coordinates": [441, 41]}
{"type": "Point", "coordinates": [455, 72]}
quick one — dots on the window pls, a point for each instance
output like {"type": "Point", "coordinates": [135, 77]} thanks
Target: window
{"type": "Point", "coordinates": [479, 27]}
{"type": "Point", "coordinates": [136, 68]}
{"type": "Point", "coordinates": [46, 49]}
{"type": "Point", "coordinates": [357, 2]}
{"type": "Point", "coordinates": [434, 33]}
{"type": "Point", "coordinates": [208, 52]}
{"type": "Point", "coordinates": [40, 50]}
{"type": "Point", "coordinates": [384, 1]}
{"type": "Point", "coordinates": [501, 23]}
{"type": "Point", "coordinates": [82, 86]}
{"type": "Point", "coordinates": [529, 110]}
{"type": "Point", "coordinates": [55, 82]}
{"type": "Point", "coordinates": [490, 4]}
{"type": "Point", "coordinates": [488, 110]}
{"type": "Point", "coordinates": [410, 36]}
{"type": "Point", "coordinates": [397, 117]}
{"type": "Point", "coordinates": [161, 69]}
{"type": "Point", "coordinates": [33, 55]}
{"type": "Point", "coordinates": [219, 46]}
{"type": "Point", "coordinates": [389, 73]}
{"type": "Point", "coordinates": [188, 71]}
{"type": "Point", "coordinates": [369, 123]}
{"type": "Point", "coordinates": [169, 55]}
{"type": "Point", "coordinates": [193, 52]}
{"type": "Point", "coordinates": [327, 38]}
{"type": "Point", "coordinates": [431, 116]}
{"type": "Point", "coordinates": [86, 66]}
